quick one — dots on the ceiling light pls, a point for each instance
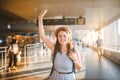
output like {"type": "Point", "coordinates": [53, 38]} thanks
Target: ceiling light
{"type": "Point", "coordinates": [9, 26]}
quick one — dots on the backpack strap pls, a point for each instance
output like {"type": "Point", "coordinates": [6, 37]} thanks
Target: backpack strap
{"type": "Point", "coordinates": [9, 48]}
{"type": "Point", "coordinates": [54, 54]}
{"type": "Point", "coordinates": [73, 70]}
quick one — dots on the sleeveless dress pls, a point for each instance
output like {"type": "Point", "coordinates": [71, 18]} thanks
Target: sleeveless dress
{"type": "Point", "coordinates": [62, 63]}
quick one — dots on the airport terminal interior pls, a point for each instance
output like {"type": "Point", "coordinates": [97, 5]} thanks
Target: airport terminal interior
{"type": "Point", "coordinates": [88, 20]}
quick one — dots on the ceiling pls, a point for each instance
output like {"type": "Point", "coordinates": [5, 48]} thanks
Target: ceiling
{"type": "Point", "coordinates": [97, 13]}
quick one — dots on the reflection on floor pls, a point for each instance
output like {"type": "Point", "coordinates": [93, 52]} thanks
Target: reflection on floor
{"type": "Point", "coordinates": [38, 68]}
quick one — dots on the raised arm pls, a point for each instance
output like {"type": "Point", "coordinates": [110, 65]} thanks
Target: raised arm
{"type": "Point", "coordinates": [48, 43]}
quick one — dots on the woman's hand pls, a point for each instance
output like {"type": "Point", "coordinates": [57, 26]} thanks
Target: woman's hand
{"type": "Point", "coordinates": [72, 56]}
{"type": "Point", "coordinates": [76, 59]}
{"type": "Point", "coordinates": [42, 14]}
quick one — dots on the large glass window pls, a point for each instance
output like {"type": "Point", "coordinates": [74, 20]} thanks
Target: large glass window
{"type": "Point", "coordinates": [112, 35]}
{"type": "Point", "coordinates": [119, 26]}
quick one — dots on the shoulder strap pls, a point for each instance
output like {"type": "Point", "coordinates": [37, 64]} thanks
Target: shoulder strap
{"type": "Point", "coordinates": [54, 54]}
{"type": "Point", "coordinates": [73, 70]}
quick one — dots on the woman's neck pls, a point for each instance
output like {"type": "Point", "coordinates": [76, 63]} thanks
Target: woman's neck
{"type": "Point", "coordinates": [63, 48]}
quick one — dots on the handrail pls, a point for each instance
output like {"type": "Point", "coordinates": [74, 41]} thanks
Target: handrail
{"type": "Point", "coordinates": [3, 56]}
{"type": "Point", "coordinates": [115, 48]}
{"type": "Point", "coordinates": [112, 45]}
{"type": "Point", "coordinates": [30, 51]}
{"type": "Point", "coordinates": [4, 47]}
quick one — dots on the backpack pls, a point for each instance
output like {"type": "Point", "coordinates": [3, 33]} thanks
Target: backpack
{"type": "Point", "coordinates": [10, 50]}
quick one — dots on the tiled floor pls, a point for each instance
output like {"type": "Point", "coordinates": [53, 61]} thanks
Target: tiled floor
{"type": "Point", "coordinates": [38, 68]}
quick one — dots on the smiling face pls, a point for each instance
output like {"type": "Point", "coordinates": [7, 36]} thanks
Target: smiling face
{"type": "Point", "coordinates": [63, 37]}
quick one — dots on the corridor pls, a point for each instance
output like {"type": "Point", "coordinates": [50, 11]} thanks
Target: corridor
{"type": "Point", "coordinates": [95, 26]}
{"type": "Point", "coordinates": [38, 68]}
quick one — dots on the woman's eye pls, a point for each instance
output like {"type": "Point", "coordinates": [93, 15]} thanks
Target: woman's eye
{"type": "Point", "coordinates": [59, 35]}
{"type": "Point", "coordinates": [64, 35]}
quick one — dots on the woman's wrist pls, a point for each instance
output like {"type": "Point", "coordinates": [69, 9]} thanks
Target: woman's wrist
{"type": "Point", "coordinates": [74, 61]}
{"type": "Point", "coordinates": [40, 19]}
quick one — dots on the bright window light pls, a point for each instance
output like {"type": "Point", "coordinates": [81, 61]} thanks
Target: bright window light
{"type": "Point", "coordinates": [1, 41]}
{"type": "Point", "coordinates": [118, 26]}
{"type": "Point", "coordinates": [8, 26]}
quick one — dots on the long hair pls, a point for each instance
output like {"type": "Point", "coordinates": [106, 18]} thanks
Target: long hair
{"type": "Point", "coordinates": [69, 44]}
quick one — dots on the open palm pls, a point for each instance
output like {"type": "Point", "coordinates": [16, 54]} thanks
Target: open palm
{"type": "Point", "coordinates": [42, 14]}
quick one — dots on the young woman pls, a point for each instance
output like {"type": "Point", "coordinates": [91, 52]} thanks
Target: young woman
{"type": "Point", "coordinates": [65, 58]}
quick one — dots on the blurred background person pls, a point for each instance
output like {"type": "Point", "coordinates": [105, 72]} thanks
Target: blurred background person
{"type": "Point", "coordinates": [12, 53]}
{"type": "Point", "coordinates": [99, 46]}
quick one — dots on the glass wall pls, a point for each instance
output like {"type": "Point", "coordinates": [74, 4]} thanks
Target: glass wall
{"type": "Point", "coordinates": [112, 35]}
